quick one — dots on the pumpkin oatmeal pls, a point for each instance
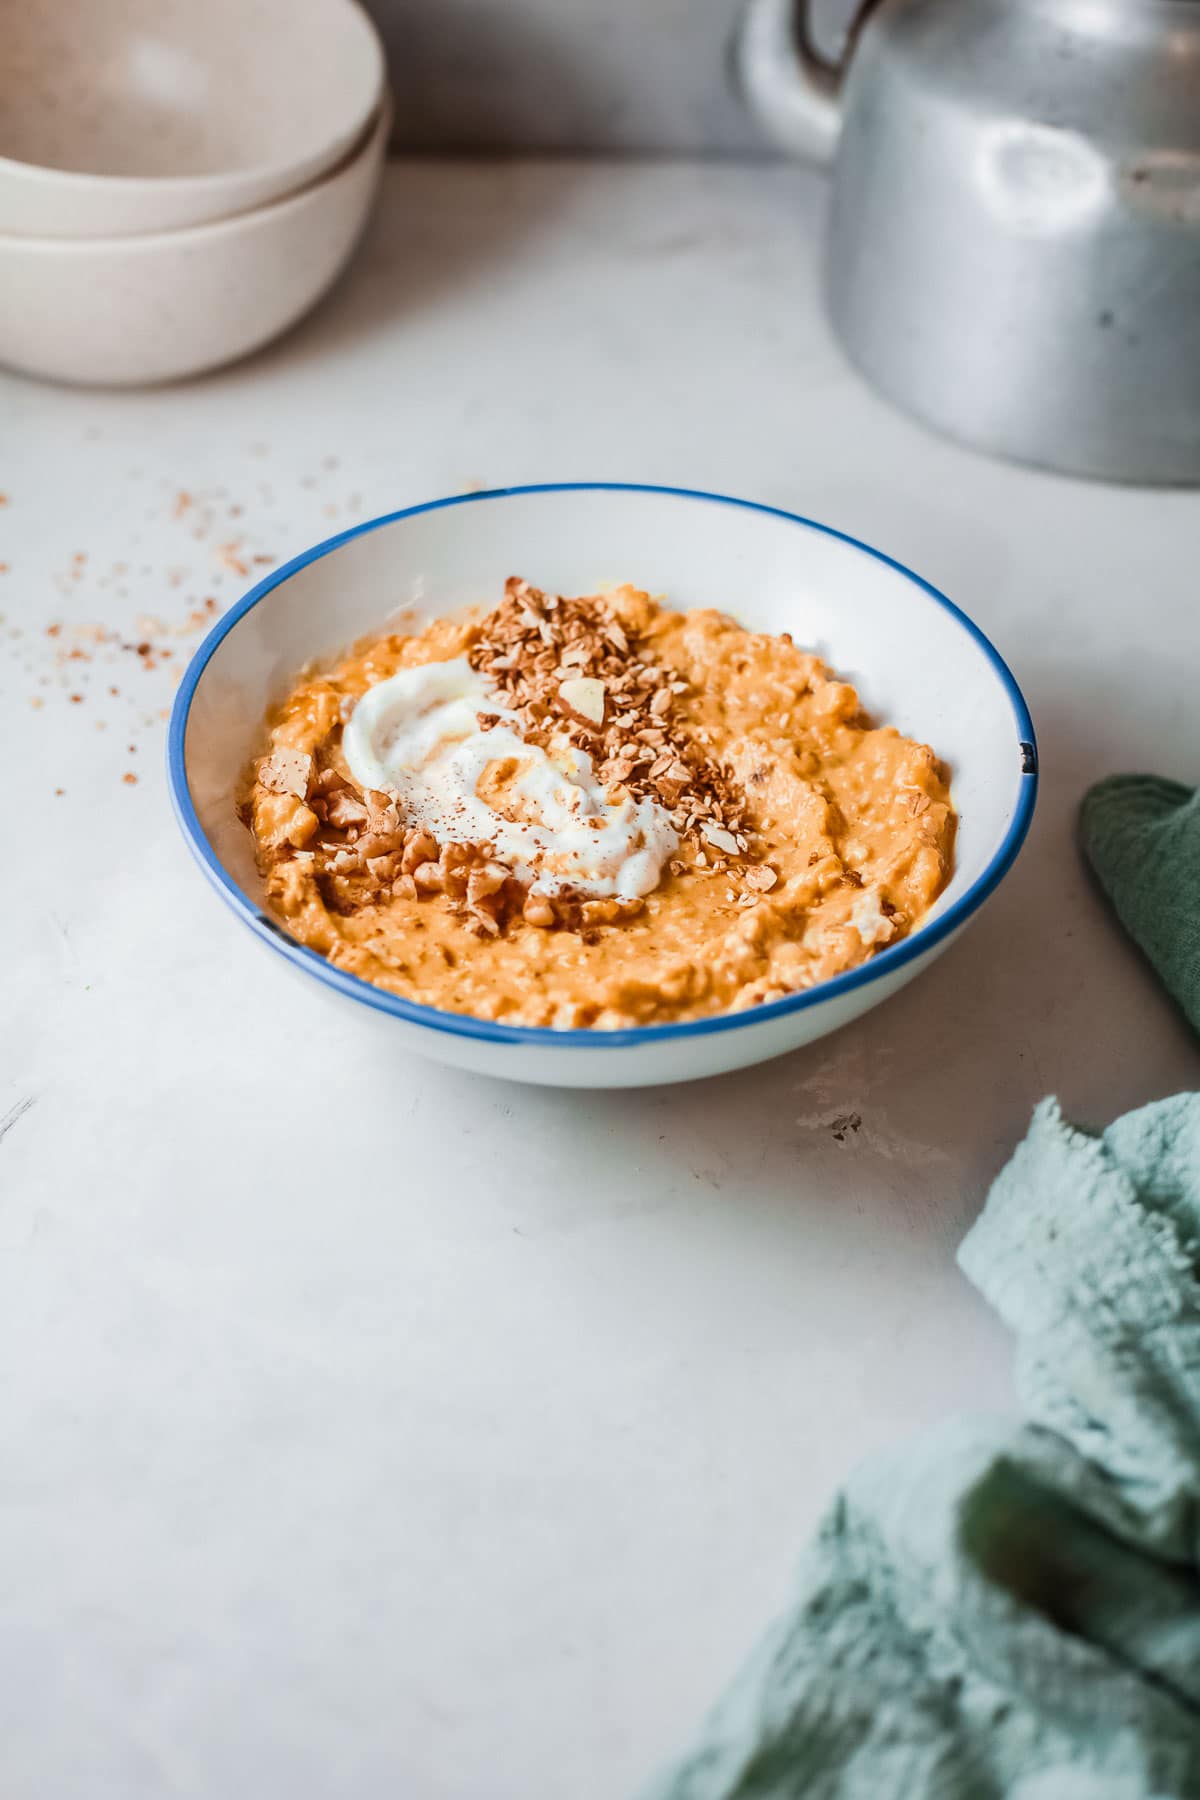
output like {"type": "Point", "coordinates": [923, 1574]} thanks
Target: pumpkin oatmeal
{"type": "Point", "coordinates": [593, 812]}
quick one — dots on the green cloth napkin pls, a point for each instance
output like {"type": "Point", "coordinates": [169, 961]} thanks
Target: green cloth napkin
{"type": "Point", "coordinates": [1014, 1610]}
{"type": "Point", "coordinates": [1142, 837]}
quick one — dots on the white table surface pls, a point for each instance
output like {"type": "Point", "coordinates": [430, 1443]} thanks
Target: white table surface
{"type": "Point", "coordinates": [369, 1429]}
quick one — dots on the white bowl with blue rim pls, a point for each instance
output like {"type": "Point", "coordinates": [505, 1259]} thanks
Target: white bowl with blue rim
{"type": "Point", "coordinates": [918, 662]}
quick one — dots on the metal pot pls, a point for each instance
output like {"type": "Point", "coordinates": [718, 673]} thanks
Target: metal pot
{"type": "Point", "coordinates": [1014, 248]}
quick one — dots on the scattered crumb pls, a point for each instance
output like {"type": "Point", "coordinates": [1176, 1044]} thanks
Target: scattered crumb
{"type": "Point", "coordinates": [158, 639]}
{"type": "Point", "coordinates": [129, 778]}
{"type": "Point", "coordinates": [229, 557]}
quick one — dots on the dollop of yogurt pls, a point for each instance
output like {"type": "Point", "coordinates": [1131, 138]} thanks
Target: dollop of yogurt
{"type": "Point", "coordinates": [417, 735]}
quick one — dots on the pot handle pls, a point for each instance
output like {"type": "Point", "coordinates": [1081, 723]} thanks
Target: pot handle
{"type": "Point", "coordinates": [792, 89]}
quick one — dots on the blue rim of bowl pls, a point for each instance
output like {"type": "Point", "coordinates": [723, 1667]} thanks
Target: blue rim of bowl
{"type": "Point", "coordinates": [924, 939]}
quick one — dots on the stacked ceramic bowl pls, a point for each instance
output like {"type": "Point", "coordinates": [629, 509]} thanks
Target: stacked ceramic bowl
{"type": "Point", "coordinates": [178, 182]}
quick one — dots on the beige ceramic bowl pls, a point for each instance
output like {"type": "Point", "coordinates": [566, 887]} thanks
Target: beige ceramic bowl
{"type": "Point", "coordinates": [127, 311]}
{"type": "Point", "coordinates": [126, 116]}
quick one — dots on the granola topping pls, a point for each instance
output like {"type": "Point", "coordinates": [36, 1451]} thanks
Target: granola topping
{"type": "Point", "coordinates": [572, 664]}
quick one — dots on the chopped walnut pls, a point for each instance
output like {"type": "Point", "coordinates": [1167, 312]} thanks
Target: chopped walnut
{"type": "Point", "coordinates": [286, 772]}
{"type": "Point", "coordinates": [483, 882]}
{"type": "Point", "coordinates": [421, 847]}
{"type": "Point", "coordinates": [429, 878]}
{"type": "Point", "coordinates": [344, 810]}
{"type": "Point", "coordinates": [538, 910]}
{"type": "Point", "coordinates": [760, 876]}
{"type": "Point", "coordinates": [872, 923]}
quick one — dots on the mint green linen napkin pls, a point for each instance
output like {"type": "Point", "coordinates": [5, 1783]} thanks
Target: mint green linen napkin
{"type": "Point", "coordinates": [1014, 1610]}
{"type": "Point", "coordinates": [1141, 835]}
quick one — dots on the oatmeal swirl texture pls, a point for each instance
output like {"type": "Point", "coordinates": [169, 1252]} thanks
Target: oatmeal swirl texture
{"type": "Point", "coordinates": [593, 812]}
